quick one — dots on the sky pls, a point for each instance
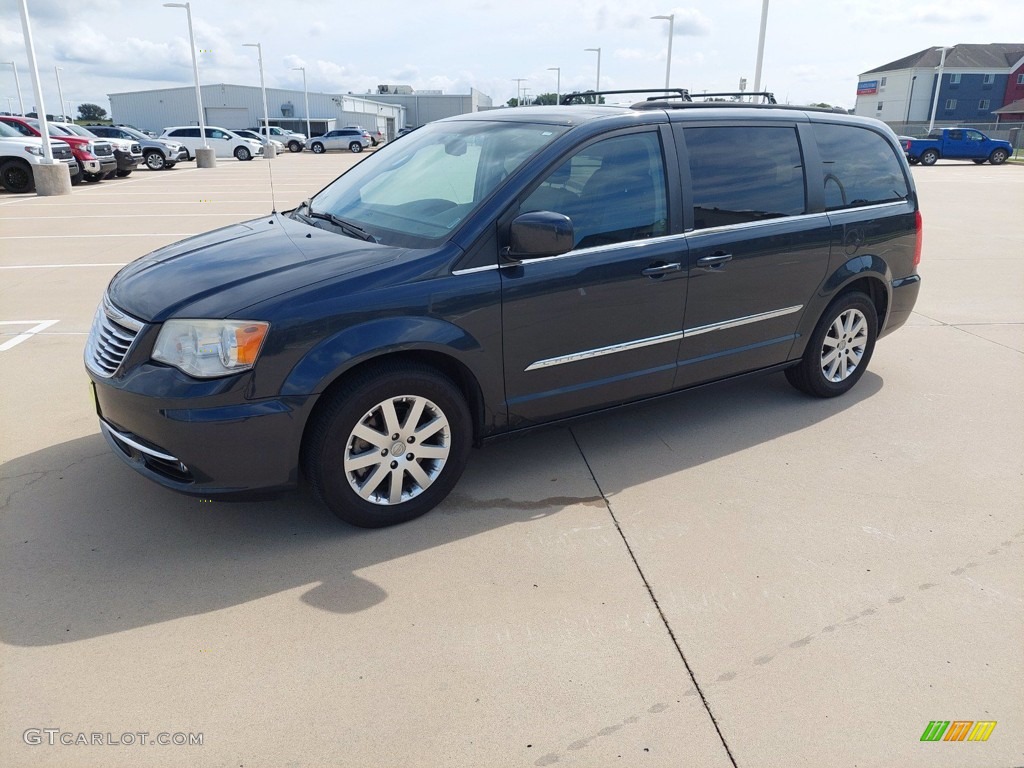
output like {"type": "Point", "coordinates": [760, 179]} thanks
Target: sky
{"type": "Point", "coordinates": [814, 49]}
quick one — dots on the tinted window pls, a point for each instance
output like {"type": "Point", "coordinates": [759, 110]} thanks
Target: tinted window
{"type": "Point", "coordinates": [859, 166]}
{"type": "Point", "coordinates": [744, 173]}
{"type": "Point", "coordinates": [213, 133]}
{"type": "Point", "coordinates": [613, 190]}
{"type": "Point", "coordinates": [23, 130]}
{"type": "Point", "coordinates": [186, 133]}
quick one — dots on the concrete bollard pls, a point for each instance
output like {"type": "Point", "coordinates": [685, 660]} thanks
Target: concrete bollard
{"type": "Point", "coordinates": [52, 179]}
{"type": "Point", "coordinates": [206, 158]}
{"type": "Point", "coordinates": [269, 152]}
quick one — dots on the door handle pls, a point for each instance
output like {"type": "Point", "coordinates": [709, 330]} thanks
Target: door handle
{"type": "Point", "coordinates": [715, 260]}
{"type": "Point", "coordinates": [661, 269]}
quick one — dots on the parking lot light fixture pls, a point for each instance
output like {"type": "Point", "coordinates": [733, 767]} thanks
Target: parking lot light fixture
{"type": "Point", "coordinates": [671, 19]}
{"type": "Point", "coordinates": [17, 85]}
{"type": "Point", "coordinates": [558, 86]}
{"type": "Point", "coordinates": [598, 51]}
{"type": "Point", "coordinates": [195, 68]}
{"type": "Point", "coordinates": [305, 96]}
{"type": "Point", "coordinates": [263, 88]}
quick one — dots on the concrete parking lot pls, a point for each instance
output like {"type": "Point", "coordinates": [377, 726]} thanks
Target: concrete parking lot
{"type": "Point", "coordinates": [735, 576]}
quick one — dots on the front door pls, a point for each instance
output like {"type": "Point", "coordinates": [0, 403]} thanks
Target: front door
{"type": "Point", "coordinates": [600, 324]}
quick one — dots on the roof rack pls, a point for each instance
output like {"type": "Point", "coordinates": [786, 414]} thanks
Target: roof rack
{"type": "Point", "coordinates": [766, 96]}
{"type": "Point", "coordinates": [581, 97]}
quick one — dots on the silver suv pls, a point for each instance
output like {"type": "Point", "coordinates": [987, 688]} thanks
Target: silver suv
{"type": "Point", "coordinates": [353, 139]}
{"type": "Point", "coordinates": [157, 153]}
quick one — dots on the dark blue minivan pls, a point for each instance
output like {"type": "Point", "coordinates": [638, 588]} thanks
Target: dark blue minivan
{"type": "Point", "coordinates": [497, 271]}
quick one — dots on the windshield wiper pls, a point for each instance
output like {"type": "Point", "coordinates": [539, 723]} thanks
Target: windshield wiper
{"type": "Point", "coordinates": [350, 229]}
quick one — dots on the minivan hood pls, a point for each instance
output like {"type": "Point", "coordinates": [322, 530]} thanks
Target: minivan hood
{"type": "Point", "coordinates": [219, 273]}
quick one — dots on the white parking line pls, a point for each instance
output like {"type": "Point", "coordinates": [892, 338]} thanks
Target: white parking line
{"type": "Point", "coordinates": [40, 325]}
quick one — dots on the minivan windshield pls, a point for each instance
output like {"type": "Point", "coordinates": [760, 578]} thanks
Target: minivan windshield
{"type": "Point", "coordinates": [417, 191]}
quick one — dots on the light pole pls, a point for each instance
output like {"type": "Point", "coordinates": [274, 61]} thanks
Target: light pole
{"type": "Point", "coordinates": [519, 89]}
{"type": "Point", "coordinates": [760, 46]}
{"type": "Point", "coordinates": [598, 51]}
{"type": "Point", "coordinates": [305, 94]}
{"type": "Point", "coordinates": [671, 19]}
{"type": "Point", "coordinates": [60, 91]}
{"type": "Point", "coordinates": [938, 87]}
{"type": "Point", "coordinates": [195, 70]}
{"type": "Point", "coordinates": [17, 84]}
{"type": "Point", "coordinates": [263, 88]}
{"type": "Point", "coordinates": [526, 98]}
{"type": "Point", "coordinates": [558, 87]}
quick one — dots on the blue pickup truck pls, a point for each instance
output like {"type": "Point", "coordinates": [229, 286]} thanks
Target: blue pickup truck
{"type": "Point", "coordinates": [956, 144]}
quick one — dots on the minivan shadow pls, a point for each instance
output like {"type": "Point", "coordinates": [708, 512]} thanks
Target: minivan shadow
{"type": "Point", "coordinates": [89, 548]}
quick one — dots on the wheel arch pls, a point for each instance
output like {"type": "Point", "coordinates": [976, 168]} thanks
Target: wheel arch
{"type": "Point", "coordinates": [865, 274]}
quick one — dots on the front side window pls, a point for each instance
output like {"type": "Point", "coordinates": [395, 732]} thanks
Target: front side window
{"type": "Point", "coordinates": [613, 190]}
{"type": "Point", "coordinates": [419, 190]}
{"type": "Point", "coordinates": [975, 136]}
{"type": "Point", "coordinates": [215, 134]}
{"type": "Point", "coordinates": [744, 173]}
{"type": "Point", "coordinates": [859, 167]}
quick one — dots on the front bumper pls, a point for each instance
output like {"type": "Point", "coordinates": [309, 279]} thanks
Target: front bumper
{"type": "Point", "coordinates": [126, 161]}
{"type": "Point", "coordinates": [99, 165]}
{"type": "Point", "coordinates": [201, 437]}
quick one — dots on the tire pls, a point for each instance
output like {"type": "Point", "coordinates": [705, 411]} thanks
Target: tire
{"type": "Point", "coordinates": [998, 156]}
{"type": "Point", "coordinates": [840, 348]}
{"type": "Point", "coordinates": [929, 156]}
{"type": "Point", "coordinates": [913, 160]}
{"type": "Point", "coordinates": [77, 178]}
{"type": "Point", "coordinates": [356, 147]}
{"type": "Point", "coordinates": [16, 176]}
{"type": "Point", "coordinates": [318, 148]}
{"type": "Point", "coordinates": [243, 154]}
{"type": "Point", "coordinates": [345, 451]}
{"type": "Point", "coordinates": [978, 162]}
{"type": "Point", "coordinates": [92, 177]}
{"type": "Point", "coordinates": [294, 146]}
{"type": "Point", "coordinates": [156, 161]}
{"type": "Point", "coordinates": [123, 174]}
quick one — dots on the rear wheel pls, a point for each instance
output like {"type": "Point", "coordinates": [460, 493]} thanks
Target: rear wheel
{"type": "Point", "coordinates": [16, 176]}
{"type": "Point", "coordinates": [998, 156]}
{"type": "Point", "coordinates": [929, 157]}
{"type": "Point", "coordinates": [388, 445]}
{"type": "Point", "coordinates": [355, 146]}
{"type": "Point", "coordinates": [839, 349]}
{"type": "Point", "coordinates": [295, 145]}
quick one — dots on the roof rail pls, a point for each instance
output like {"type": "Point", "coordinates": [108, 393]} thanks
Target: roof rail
{"type": "Point", "coordinates": [766, 96]}
{"type": "Point", "coordinates": [580, 97]}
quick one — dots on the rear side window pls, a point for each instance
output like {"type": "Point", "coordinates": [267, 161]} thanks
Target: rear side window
{"type": "Point", "coordinates": [742, 174]}
{"type": "Point", "coordinates": [186, 133]}
{"type": "Point", "coordinates": [859, 167]}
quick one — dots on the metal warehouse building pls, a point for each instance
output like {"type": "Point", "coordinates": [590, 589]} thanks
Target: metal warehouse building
{"type": "Point", "coordinates": [241, 106]}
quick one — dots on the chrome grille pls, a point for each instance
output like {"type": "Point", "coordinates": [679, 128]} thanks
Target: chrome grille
{"type": "Point", "coordinates": [62, 153]}
{"type": "Point", "coordinates": [103, 149]}
{"type": "Point", "coordinates": [112, 335]}
{"type": "Point", "coordinates": [136, 149]}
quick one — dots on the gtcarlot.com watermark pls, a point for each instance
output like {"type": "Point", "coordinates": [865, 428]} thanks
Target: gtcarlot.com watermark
{"type": "Point", "coordinates": [54, 737]}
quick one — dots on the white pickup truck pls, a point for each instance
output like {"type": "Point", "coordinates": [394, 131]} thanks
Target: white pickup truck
{"type": "Point", "coordinates": [19, 153]}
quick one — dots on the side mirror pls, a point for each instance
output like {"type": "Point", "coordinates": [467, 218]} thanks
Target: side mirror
{"type": "Point", "coordinates": [540, 233]}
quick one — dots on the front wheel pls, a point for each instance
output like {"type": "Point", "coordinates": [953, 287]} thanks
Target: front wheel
{"type": "Point", "coordinates": [839, 349]}
{"type": "Point", "coordinates": [388, 445]}
{"type": "Point", "coordinates": [16, 176]}
{"type": "Point", "coordinates": [294, 146]}
{"type": "Point", "coordinates": [122, 174]}
{"type": "Point", "coordinates": [355, 146]}
{"type": "Point", "coordinates": [92, 176]}
{"type": "Point", "coordinates": [929, 157]}
{"type": "Point", "coordinates": [243, 153]}
{"type": "Point", "coordinates": [998, 156]}
{"type": "Point", "coordinates": [155, 161]}
{"type": "Point", "coordinates": [318, 148]}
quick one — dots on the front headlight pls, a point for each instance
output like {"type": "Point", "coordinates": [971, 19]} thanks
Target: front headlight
{"type": "Point", "coordinates": [34, 151]}
{"type": "Point", "coordinates": [209, 348]}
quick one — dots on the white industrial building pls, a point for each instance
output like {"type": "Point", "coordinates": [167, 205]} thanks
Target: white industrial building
{"type": "Point", "coordinates": [241, 106]}
{"type": "Point", "coordinates": [423, 107]}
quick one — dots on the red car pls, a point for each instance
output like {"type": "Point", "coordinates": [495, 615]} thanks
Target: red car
{"type": "Point", "coordinates": [95, 158]}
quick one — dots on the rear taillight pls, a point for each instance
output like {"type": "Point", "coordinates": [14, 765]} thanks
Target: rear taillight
{"type": "Point", "coordinates": [919, 227]}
